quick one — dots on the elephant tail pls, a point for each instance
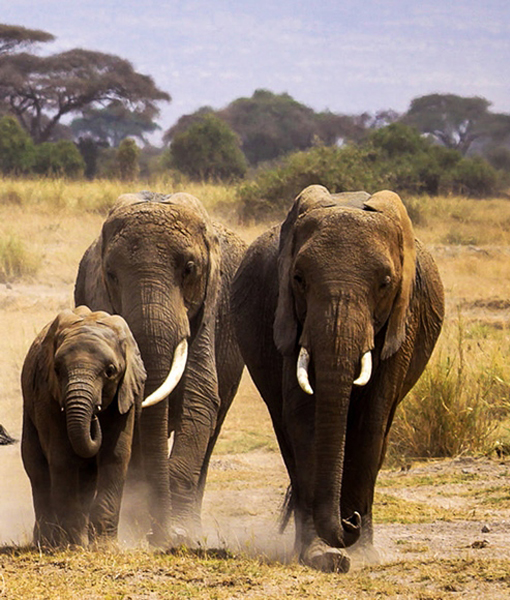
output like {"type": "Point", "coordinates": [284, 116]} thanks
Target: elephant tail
{"type": "Point", "coordinates": [287, 509]}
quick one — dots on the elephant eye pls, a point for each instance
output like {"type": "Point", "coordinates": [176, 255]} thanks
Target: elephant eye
{"type": "Point", "coordinates": [189, 268]}
{"type": "Point", "coordinates": [299, 279]}
{"type": "Point", "coordinates": [110, 371]}
{"type": "Point", "coordinates": [385, 282]}
{"type": "Point", "coordinates": [111, 276]}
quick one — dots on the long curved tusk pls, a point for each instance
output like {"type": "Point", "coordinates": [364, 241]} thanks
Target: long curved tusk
{"type": "Point", "coordinates": [302, 371]}
{"type": "Point", "coordinates": [366, 369]}
{"type": "Point", "coordinates": [173, 378]}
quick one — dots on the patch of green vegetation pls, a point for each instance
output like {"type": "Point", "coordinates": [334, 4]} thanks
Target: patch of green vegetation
{"type": "Point", "coordinates": [390, 509]}
{"type": "Point", "coordinates": [410, 480]}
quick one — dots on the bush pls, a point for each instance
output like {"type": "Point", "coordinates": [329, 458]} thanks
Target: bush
{"type": "Point", "coordinates": [207, 150]}
{"type": "Point", "coordinates": [473, 177]}
{"type": "Point", "coordinates": [58, 159]}
{"type": "Point", "coordinates": [16, 148]}
{"type": "Point", "coordinates": [339, 169]}
{"type": "Point", "coordinates": [126, 158]}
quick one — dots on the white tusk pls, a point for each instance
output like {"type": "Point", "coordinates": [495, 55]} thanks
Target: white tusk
{"type": "Point", "coordinates": [173, 378]}
{"type": "Point", "coordinates": [366, 369]}
{"type": "Point", "coordinates": [302, 371]}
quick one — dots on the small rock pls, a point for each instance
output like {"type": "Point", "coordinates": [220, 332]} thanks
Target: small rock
{"type": "Point", "coordinates": [480, 544]}
{"type": "Point", "coordinates": [486, 529]}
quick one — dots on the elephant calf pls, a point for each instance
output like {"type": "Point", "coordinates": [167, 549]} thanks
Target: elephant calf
{"type": "Point", "coordinates": [82, 381]}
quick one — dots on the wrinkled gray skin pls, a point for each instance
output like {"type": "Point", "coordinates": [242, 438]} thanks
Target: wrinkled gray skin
{"type": "Point", "coordinates": [164, 266]}
{"type": "Point", "coordinates": [342, 276]}
{"type": "Point", "coordinates": [82, 383]}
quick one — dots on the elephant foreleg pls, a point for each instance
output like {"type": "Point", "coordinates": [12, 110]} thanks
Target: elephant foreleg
{"type": "Point", "coordinates": [37, 469]}
{"type": "Point", "coordinates": [113, 463]}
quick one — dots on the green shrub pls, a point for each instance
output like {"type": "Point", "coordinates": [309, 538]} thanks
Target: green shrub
{"type": "Point", "coordinates": [271, 192]}
{"type": "Point", "coordinates": [58, 159]}
{"type": "Point", "coordinates": [16, 148]}
{"type": "Point", "coordinates": [473, 177]}
{"type": "Point", "coordinates": [207, 150]}
{"type": "Point", "coordinates": [126, 158]}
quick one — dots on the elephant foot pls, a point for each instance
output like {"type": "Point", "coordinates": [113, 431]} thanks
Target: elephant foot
{"type": "Point", "coordinates": [175, 537]}
{"type": "Point", "coordinates": [325, 558]}
{"type": "Point", "coordinates": [363, 554]}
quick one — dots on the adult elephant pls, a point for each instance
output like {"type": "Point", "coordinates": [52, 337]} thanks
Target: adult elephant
{"type": "Point", "coordinates": [337, 312]}
{"type": "Point", "coordinates": [162, 264]}
{"type": "Point", "coordinates": [82, 382]}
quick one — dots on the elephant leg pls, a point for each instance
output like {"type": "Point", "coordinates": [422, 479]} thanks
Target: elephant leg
{"type": "Point", "coordinates": [67, 497]}
{"type": "Point", "coordinates": [37, 469]}
{"type": "Point", "coordinates": [113, 461]}
{"type": "Point", "coordinates": [192, 443]}
{"type": "Point", "coordinates": [154, 443]}
{"type": "Point", "coordinates": [364, 448]}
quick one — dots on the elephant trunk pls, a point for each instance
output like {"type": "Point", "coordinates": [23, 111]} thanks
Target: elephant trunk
{"type": "Point", "coordinates": [158, 320]}
{"type": "Point", "coordinates": [83, 427]}
{"type": "Point", "coordinates": [338, 350]}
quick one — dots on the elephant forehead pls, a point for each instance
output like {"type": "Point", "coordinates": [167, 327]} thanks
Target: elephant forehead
{"type": "Point", "coordinates": [156, 219]}
{"type": "Point", "coordinates": [348, 226]}
{"type": "Point", "coordinates": [86, 336]}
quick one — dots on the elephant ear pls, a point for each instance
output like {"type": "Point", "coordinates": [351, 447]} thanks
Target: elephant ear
{"type": "Point", "coordinates": [390, 204]}
{"type": "Point", "coordinates": [131, 388]}
{"type": "Point", "coordinates": [90, 288]}
{"type": "Point", "coordinates": [285, 323]}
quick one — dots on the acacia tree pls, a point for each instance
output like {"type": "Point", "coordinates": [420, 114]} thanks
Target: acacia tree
{"type": "Point", "coordinates": [41, 90]}
{"type": "Point", "coordinates": [455, 121]}
{"type": "Point", "coordinates": [14, 38]}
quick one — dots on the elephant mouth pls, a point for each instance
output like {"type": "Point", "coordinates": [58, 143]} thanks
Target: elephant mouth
{"type": "Point", "coordinates": [173, 377]}
{"type": "Point", "coordinates": [303, 363]}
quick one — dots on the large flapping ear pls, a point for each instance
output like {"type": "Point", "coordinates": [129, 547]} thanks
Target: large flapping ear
{"type": "Point", "coordinates": [131, 388]}
{"type": "Point", "coordinates": [285, 323]}
{"type": "Point", "coordinates": [391, 205]}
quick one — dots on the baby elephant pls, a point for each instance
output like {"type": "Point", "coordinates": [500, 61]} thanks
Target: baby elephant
{"type": "Point", "coordinates": [83, 381]}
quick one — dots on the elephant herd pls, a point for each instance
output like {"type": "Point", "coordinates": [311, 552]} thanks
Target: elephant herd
{"type": "Point", "coordinates": [335, 313]}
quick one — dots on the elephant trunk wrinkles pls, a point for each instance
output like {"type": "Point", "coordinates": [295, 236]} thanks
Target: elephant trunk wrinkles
{"type": "Point", "coordinates": [159, 322]}
{"type": "Point", "coordinates": [336, 350]}
{"type": "Point", "coordinates": [83, 427]}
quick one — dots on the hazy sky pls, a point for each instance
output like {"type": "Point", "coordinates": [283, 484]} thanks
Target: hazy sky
{"type": "Point", "coordinates": [342, 55]}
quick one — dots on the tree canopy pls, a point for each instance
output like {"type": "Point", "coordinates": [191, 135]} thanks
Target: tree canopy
{"type": "Point", "coordinates": [14, 37]}
{"type": "Point", "coordinates": [271, 125]}
{"type": "Point", "coordinates": [455, 121]}
{"type": "Point", "coordinates": [41, 90]}
{"type": "Point", "coordinates": [114, 123]}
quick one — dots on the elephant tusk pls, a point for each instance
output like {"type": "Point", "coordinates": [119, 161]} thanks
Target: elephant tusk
{"type": "Point", "coordinates": [366, 369]}
{"type": "Point", "coordinates": [173, 378]}
{"type": "Point", "coordinates": [302, 371]}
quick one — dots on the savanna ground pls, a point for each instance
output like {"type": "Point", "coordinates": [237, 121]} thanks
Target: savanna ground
{"type": "Point", "coordinates": [442, 525]}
